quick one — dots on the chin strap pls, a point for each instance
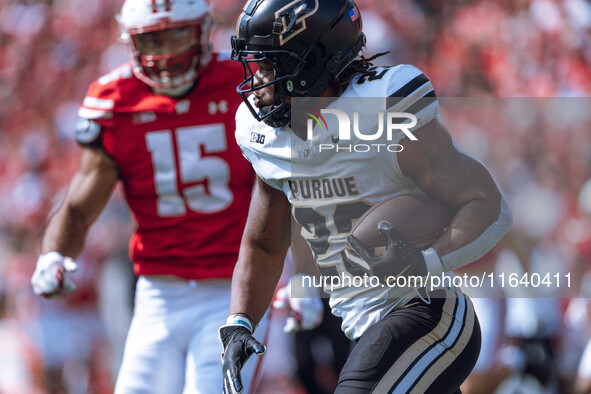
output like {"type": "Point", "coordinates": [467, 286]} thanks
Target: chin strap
{"type": "Point", "coordinates": [278, 119]}
{"type": "Point", "coordinates": [281, 117]}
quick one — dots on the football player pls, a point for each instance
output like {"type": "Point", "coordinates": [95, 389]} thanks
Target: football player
{"type": "Point", "coordinates": [408, 339]}
{"type": "Point", "coordinates": [163, 126]}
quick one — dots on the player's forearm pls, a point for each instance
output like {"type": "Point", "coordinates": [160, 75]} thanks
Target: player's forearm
{"type": "Point", "coordinates": [262, 252]}
{"type": "Point", "coordinates": [65, 232]}
{"type": "Point", "coordinates": [474, 230]}
{"type": "Point", "coordinates": [87, 195]}
{"type": "Point", "coordinates": [260, 261]}
{"type": "Point", "coordinates": [444, 171]}
{"type": "Point", "coordinates": [254, 281]}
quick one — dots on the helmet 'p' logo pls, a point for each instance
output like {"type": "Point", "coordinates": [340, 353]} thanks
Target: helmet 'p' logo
{"type": "Point", "coordinates": [291, 19]}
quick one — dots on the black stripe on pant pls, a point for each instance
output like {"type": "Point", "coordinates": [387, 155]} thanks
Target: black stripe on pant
{"type": "Point", "coordinates": [420, 348]}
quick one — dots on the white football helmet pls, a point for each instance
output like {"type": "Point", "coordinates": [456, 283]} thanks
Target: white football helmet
{"type": "Point", "coordinates": [169, 40]}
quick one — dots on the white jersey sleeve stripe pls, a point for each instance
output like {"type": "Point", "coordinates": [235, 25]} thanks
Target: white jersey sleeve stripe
{"type": "Point", "coordinates": [97, 103]}
{"type": "Point", "coordinates": [94, 113]}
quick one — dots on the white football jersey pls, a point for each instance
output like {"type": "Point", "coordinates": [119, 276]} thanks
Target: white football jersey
{"type": "Point", "coordinates": [331, 181]}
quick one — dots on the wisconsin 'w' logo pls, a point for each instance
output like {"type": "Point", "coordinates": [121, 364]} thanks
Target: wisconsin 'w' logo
{"type": "Point", "coordinates": [293, 18]}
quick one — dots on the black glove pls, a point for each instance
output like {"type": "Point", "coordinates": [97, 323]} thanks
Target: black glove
{"type": "Point", "coordinates": [239, 345]}
{"type": "Point", "coordinates": [400, 258]}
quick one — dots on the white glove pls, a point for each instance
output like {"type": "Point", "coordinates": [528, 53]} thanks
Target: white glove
{"type": "Point", "coordinates": [306, 310]}
{"type": "Point", "coordinates": [50, 279]}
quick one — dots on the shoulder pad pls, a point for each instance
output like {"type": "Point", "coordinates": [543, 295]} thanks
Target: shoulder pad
{"type": "Point", "coordinates": [408, 81]}
{"type": "Point", "coordinates": [88, 133]}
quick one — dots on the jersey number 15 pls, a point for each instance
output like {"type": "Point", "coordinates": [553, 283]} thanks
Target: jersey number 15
{"type": "Point", "coordinates": [193, 167]}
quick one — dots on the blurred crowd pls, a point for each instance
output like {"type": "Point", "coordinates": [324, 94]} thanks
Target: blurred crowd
{"type": "Point", "coordinates": [522, 52]}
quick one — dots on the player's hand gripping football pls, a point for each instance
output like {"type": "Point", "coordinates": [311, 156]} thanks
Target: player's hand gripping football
{"type": "Point", "coordinates": [400, 257]}
{"type": "Point", "coordinates": [304, 306]}
{"type": "Point", "coordinates": [239, 345]}
{"type": "Point", "coordinates": [50, 279]}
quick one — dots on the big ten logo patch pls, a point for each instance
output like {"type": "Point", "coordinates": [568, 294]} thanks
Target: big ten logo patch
{"type": "Point", "coordinates": [220, 107]}
{"type": "Point", "coordinates": [257, 138]}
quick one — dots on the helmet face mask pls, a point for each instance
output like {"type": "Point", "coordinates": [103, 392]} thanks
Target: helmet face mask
{"type": "Point", "coordinates": [277, 114]}
{"type": "Point", "coordinates": [308, 43]}
{"type": "Point", "coordinates": [169, 42]}
{"type": "Point", "coordinates": [169, 58]}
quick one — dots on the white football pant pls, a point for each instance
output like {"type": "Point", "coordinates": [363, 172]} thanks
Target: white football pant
{"type": "Point", "coordinates": [173, 344]}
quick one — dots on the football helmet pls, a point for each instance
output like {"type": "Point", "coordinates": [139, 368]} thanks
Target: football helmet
{"type": "Point", "coordinates": [307, 42]}
{"type": "Point", "coordinates": [169, 40]}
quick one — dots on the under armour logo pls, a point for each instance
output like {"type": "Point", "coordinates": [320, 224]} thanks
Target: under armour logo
{"type": "Point", "coordinates": [182, 107]}
{"type": "Point", "coordinates": [221, 107]}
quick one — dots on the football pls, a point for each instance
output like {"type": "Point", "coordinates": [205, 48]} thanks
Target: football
{"type": "Point", "coordinates": [420, 220]}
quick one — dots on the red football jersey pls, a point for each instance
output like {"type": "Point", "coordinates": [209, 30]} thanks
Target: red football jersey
{"type": "Point", "coordinates": [183, 174]}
